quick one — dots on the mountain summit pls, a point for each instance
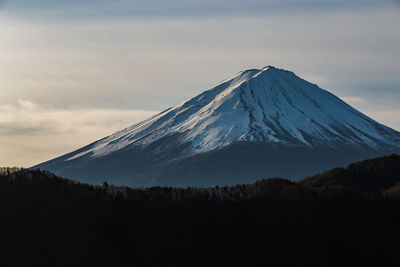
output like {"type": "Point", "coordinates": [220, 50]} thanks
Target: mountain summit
{"type": "Point", "coordinates": [258, 123]}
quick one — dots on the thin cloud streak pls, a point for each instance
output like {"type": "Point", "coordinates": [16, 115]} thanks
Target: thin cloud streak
{"type": "Point", "coordinates": [30, 134]}
{"type": "Point", "coordinates": [153, 64]}
{"type": "Point", "coordinates": [90, 9]}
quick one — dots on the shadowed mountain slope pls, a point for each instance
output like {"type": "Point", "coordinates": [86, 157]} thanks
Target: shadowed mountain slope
{"type": "Point", "coordinates": [258, 123]}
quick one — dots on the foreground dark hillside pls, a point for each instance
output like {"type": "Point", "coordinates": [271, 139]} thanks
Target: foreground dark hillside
{"type": "Point", "coordinates": [343, 217]}
{"type": "Point", "coordinates": [369, 175]}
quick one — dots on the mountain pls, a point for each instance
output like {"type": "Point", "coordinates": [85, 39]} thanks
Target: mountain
{"type": "Point", "coordinates": [258, 123]}
{"type": "Point", "coordinates": [342, 217]}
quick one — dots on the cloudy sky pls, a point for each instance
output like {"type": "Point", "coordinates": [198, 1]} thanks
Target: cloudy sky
{"type": "Point", "coordinates": [74, 71]}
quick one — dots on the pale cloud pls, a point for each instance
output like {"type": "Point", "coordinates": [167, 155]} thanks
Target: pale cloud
{"type": "Point", "coordinates": [30, 134]}
{"type": "Point", "coordinates": [383, 113]}
{"type": "Point", "coordinates": [154, 63]}
{"type": "Point", "coordinates": [26, 104]}
{"type": "Point", "coordinates": [353, 100]}
{"type": "Point", "coordinates": [388, 117]}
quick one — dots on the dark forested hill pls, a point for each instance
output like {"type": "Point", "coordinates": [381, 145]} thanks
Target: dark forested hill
{"type": "Point", "coordinates": [343, 217]}
{"type": "Point", "coordinates": [369, 175]}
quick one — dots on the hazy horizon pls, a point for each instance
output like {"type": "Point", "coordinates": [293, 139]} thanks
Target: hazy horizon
{"type": "Point", "coordinates": [71, 74]}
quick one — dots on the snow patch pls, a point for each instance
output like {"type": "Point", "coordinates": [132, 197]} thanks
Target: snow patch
{"type": "Point", "coordinates": [269, 105]}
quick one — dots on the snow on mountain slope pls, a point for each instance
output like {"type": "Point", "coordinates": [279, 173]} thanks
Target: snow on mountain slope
{"type": "Point", "coordinates": [269, 105]}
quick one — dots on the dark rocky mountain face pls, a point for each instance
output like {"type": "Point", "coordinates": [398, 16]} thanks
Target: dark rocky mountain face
{"type": "Point", "coordinates": [259, 123]}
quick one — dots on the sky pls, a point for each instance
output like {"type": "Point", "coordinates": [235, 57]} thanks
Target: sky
{"type": "Point", "coordinates": [72, 72]}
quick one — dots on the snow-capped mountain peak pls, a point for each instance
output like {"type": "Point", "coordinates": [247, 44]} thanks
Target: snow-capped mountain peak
{"type": "Point", "coordinates": [267, 105]}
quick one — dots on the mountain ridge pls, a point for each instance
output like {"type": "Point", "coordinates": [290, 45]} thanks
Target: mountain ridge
{"type": "Point", "coordinates": [210, 120]}
{"type": "Point", "coordinates": [269, 108]}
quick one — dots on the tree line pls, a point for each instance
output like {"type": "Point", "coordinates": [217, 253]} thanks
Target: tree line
{"type": "Point", "coordinates": [343, 217]}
